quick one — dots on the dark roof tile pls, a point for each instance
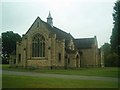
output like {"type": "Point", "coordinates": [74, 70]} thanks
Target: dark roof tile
{"type": "Point", "coordinates": [84, 43]}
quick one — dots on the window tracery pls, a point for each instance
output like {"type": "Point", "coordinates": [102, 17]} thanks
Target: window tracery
{"type": "Point", "coordinates": [38, 46]}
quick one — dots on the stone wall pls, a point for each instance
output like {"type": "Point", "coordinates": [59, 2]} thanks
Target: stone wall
{"type": "Point", "coordinates": [38, 63]}
{"type": "Point", "coordinates": [73, 60]}
{"type": "Point", "coordinates": [89, 57]}
{"type": "Point", "coordinates": [59, 53]}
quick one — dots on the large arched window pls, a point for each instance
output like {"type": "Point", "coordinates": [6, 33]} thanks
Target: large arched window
{"type": "Point", "coordinates": [38, 46]}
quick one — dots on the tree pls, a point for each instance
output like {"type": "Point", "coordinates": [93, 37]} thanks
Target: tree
{"type": "Point", "coordinates": [106, 49]}
{"type": "Point", "coordinates": [115, 37]}
{"type": "Point", "coordinates": [9, 40]}
{"type": "Point", "coordinates": [110, 58]}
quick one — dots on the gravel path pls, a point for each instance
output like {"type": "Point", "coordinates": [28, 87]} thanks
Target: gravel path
{"type": "Point", "coordinates": [78, 77]}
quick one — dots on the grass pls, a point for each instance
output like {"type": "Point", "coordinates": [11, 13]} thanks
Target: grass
{"type": "Point", "coordinates": [106, 72]}
{"type": "Point", "coordinates": [14, 81]}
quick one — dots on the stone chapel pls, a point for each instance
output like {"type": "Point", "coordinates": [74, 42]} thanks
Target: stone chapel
{"type": "Point", "coordinates": [45, 46]}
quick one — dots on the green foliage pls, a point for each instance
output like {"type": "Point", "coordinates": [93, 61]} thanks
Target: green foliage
{"type": "Point", "coordinates": [115, 37]}
{"type": "Point", "coordinates": [9, 40]}
{"type": "Point", "coordinates": [106, 49]}
{"type": "Point", "coordinates": [112, 60]}
{"type": "Point", "coordinates": [112, 51]}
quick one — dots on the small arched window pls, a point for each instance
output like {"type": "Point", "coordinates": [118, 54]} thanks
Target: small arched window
{"type": "Point", "coordinates": [38, 46]}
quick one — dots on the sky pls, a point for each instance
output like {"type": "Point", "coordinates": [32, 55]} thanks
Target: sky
{"type": "Point", "coordinates": [80, 18]}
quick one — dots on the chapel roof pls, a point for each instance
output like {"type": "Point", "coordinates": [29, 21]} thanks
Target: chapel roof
{"type": "Point", "coordinates": [84, 43]}
{"type": "Point", "coordinates": [60, 34]}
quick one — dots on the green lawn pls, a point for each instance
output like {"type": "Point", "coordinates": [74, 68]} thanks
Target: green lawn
{"type": "Point", "coordinates": [14, 81]}
{"type": "Point", "coordinates": [106, 72]}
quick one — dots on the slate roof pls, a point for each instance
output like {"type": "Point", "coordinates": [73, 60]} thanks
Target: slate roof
{"type": "Point", "coordinates": [84, 43]}
{"type": "Point", "coordinates": [60, 34]}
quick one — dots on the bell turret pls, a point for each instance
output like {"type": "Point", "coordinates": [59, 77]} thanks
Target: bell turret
{"type": "Point", "coordinates": [49, 20]}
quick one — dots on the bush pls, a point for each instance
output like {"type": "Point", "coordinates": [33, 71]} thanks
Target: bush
{"type": "Point", "coordinates": [112, 60]}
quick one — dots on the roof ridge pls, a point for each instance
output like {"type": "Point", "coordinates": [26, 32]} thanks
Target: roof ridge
{"type": "Point", "coordinates": [59, 29]}
{"type": "Point", "coordinates": [33, 24]}
{"type": "Point", "coordinates": [83, 38]}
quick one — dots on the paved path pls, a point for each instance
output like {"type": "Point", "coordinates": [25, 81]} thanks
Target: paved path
{"type": "Point", "coordinates": [78, 77]}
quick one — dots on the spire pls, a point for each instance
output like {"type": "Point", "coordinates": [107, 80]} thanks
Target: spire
{"type": "Point", "coordinates": [49, 19]}
{"type": "Point", "coordinates": [49, 16]}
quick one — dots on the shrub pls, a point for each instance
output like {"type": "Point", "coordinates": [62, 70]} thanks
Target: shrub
{"type": "Point", "coordinates": [112, 60]}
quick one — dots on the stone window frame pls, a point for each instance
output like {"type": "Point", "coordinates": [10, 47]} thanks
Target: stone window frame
{"type": "Point", "coordinates": [38, 45]}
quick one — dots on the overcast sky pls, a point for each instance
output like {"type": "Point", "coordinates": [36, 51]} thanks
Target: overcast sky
{"type": "Point", "coordinates": [81, 18]}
